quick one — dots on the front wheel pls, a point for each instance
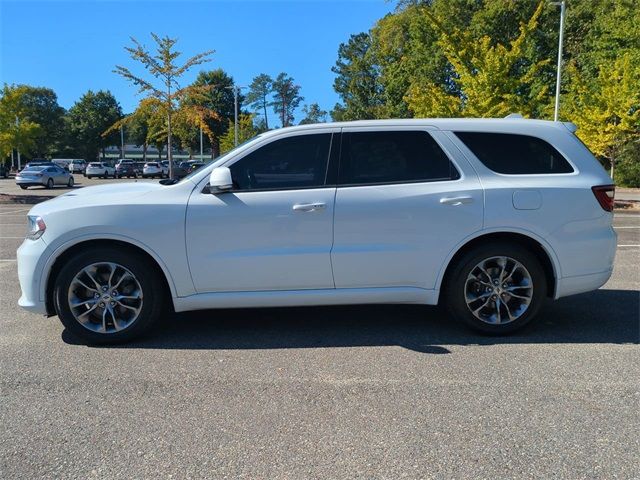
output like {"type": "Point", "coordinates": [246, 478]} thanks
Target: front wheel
{"type": "Point", "coordinates": [70, 182]}
{"type": "Point", "coordinates": [23, 187]}
{"type": "Point", "coordinates": [50, 183]}
{"type": "Point", "coordinates": [496, 289]}
{"type": "Point", "coordinates": [107, 295]}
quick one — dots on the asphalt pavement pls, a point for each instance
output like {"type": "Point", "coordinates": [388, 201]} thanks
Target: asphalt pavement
{"type": "Point", "coordinates": [333, 392]}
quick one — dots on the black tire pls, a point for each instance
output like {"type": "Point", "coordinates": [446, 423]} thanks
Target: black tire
{"type": "Point", "coordinates": [70, 182]}
{"type": "Point", "coordinates": [50, 183]}
{"type": "Point", "coordinates": [455, 282]}
{"type": "Point", "coordinates": [154, 293]}
{"type": "Point", "coordinates": [106, 175]}
{"type": "Point", "coordinates": [24, 187]}
{"type": "Point", "coordinates": [88, 176]}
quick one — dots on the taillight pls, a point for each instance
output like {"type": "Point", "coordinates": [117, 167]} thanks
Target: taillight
{"type": "Point", "coordinates": [605, 195]}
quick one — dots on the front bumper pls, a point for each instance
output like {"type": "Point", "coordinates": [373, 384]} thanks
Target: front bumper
{"type": "Point", "coordinates": [30, 264]}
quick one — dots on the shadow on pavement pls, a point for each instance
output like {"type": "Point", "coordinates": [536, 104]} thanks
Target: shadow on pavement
{"type": "Point", "coordinates": [603, 316]}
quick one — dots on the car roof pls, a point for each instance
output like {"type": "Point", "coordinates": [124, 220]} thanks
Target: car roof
{"type": "Point", "coordinates": [512, 123]}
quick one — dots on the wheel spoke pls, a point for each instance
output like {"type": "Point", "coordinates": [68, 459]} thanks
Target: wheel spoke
{"type": "Point", "coordinates": [98, 286]}
{"type": "Point", "coordinates": [77, 280]}
{"type": "Point", "coordinates": [90, 301]}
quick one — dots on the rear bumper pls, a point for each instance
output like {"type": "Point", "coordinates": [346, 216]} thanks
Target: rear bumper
{"type": "Point", "coordinates": [582, 283]}
{"type": "Point", "coordinates": [29, 181]}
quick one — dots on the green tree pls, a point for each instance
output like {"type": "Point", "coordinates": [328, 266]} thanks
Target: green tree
{"type": "Point", "coordinates": [246, 131]}
{"type": "Point", "coordinates": [258, 97]}
{"type": "Point", "coordinates": [357, 80]}
{"type": "Point", "coordinates": [40, 105]}
{"type": "Point", "coordinates": [217, 98]}
{"type": "Point", "coordinates": [16, 130]}
{"type": "Point", "coordinates": [493, 79]}
{"type": "Point", "coordinates": [138, 131]}
{"type": "Point", "coordinates": [313, 114]}
{"type": "Point", "coordinates": [286, 98]}
{"type": "Point", "coordinates": [88, 118]}
{"type": "Point", "coordinates": [607, 109]}
{"type": "Point", "coordinates": [167, 73]}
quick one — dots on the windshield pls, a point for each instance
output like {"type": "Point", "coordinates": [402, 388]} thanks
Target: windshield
{"type": "Point", "coordinates": [33, 169]}
{"type": "Point", "coordinates": [217, 159]}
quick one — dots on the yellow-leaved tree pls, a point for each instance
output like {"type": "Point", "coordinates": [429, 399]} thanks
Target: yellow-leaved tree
{"type": "Point", "coordinates": [489, 79]}
{"type": "Point", "coordinates": [606, 109]}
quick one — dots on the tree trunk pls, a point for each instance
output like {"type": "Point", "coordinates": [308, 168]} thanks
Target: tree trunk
{"type": "Point", "coordinates": [215, 148]}
{"type": "Point", "coordinates": [144, 152]}
{"type": "Point", "coordinates": [613, 164]}
{"type": "Point", "coordinates": [266, 121]}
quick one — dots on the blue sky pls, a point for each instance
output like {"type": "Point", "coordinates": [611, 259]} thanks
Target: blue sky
{"type": "Point", "coordinates": [73, 46]}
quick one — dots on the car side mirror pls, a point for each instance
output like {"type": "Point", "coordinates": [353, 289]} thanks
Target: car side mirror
{"type": "Point", "coordinates": [220, 180]}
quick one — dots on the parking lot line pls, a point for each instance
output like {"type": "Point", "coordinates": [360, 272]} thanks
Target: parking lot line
{"type": "Point", "coordinates": [14, 211]}
{"type": "Point", "coordinates": [628, 245]}
{"type": "Point", "coordinates": [8, 260]}
{"type": "Point", "coordinates": [629, 227]}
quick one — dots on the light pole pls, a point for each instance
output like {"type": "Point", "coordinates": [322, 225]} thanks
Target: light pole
{"type": "Point", "coordinates": [201, 156]}
{"type": "Point", "coordinates": [559, 69]}
{"type": "Point", "coordinates": [236, 92]}
{"type": "Point", "coordinates": [121, 141]}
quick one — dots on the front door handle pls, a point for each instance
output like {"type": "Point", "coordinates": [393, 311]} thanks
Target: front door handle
{"type": "Point", "coordinates": [455, 201]}
{"type": "Point", "coordinates": [309, 207]}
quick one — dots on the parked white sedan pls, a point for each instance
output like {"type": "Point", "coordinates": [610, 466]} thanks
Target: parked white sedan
{"type": "Point", "coordinates": [488, 217]}
{"type": "Point", "coordinates": [100, 169]}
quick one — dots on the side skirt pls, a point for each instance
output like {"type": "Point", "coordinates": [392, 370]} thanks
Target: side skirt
{"type": "Point", "coordinates": [300, 298]}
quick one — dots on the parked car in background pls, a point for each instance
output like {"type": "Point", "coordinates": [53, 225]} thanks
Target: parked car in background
{"type": "Point", "coordinates": [4, 170]}
{"type": "Point", "coordinates": [152, 170]}
{"type": "Point", "coordinates": [195, 166]}
{"type": "Point", "coordinates": [100, 169]}
{"type": "Point", "coordinates": [139, 167]}
{"type": "Point", "coordinates": [488, 217]}
{"type": "Point", "coordinates": [44, 175]}
{"type": "Point", "coordinates": [62, 162]}
{"type": "Point", "coordinates": [126, 168]}
{"type": "Point", "coordinates": [77, 166]}
{"type": "Point", "coordinates": [180, 169]}
{"type": "Point", "coordinates": [38, 163]}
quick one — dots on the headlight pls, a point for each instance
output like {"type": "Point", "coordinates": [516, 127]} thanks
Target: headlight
{"type": "Point", "coordinates": [36, 227]}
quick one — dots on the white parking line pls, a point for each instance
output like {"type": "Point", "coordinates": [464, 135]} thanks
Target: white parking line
{"type": "Point", "coordinates": [8, 260]}
{"type": "Point", "coordinates": [10, 238]}
{"type": "Point", "coordinates": [629, 245]}
{"type": "Point", "coordinates": [628, 227]}
{"type": "Point", "coordinates": [14, 211]}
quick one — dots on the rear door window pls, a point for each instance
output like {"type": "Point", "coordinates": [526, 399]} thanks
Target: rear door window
{"type": "Point", "coordinates": [384, 157]}
{"type": "Point", "coordinates": [514, 154]}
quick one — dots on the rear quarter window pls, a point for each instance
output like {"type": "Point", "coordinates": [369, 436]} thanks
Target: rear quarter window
{"type": "Point", "coordinates": [515, 154]}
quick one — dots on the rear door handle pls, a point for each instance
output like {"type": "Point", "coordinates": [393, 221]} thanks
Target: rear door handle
{"type": "Point", "coordinates": [309, 207]}
{"type": "Point", "coordinates": [455, 201]}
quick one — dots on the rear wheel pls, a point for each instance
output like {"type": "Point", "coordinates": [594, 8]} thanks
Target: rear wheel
{"type": "Point", "coordinates": [24, 187]}
{"type": "Point", "coordinates": [106, 295]}
{"type": "Point", "coordinates": [70, 182]}
{"type": "Point", "coordinates": [496, 288]}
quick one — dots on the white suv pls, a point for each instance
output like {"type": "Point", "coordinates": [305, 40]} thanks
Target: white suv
{"type": "Point", "coordinates": [488, 217]}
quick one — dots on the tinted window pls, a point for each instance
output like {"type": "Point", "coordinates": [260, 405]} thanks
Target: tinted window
{"type": "Point", "coordinates": [294, 162]}
{"type": "Point", "coordinates": [514, 154]}
{"type": "Point", "coordinates": [393, 157]}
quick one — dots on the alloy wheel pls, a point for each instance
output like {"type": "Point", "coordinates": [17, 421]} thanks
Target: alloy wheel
{"type": "Point", "coordinates": [105, 297]}
{"type": "Point", "coordinates": [498, 290]}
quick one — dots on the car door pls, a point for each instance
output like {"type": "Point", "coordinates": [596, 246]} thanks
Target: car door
{"type": "Point", "coordinates": [402, 204]}
{"type": "Point", "coordinates": [274, 229]}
